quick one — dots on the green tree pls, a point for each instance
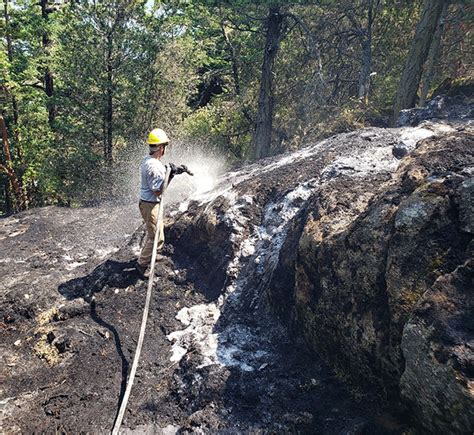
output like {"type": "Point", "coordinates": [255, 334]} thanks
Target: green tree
{"type": "Point", "coordinates": [83, 82]}
{"type": "Point", "coordinates": [24, 95]}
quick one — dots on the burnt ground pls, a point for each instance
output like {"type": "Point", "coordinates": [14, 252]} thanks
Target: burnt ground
{"type": "Point", "coordinates": [67, 347]}
{"type": "Point", "coordinates": [71, 306]}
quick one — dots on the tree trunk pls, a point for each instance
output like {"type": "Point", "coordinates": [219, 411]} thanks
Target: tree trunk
{"type": "Point", "coordinates": [263, 132]}
{"type": "Point", "coordinates": [233, 59]}
{"type": "Point", "coordinates": [8, 38]}
{"type": "Point", "coordinates": [7, 168]}
{"type": "Point", "coordinates": [108, 109]}
{"type": "Point", "coordinates": [364, 78]}
{"type": "Point", "coordinates": [433, 54]}
{"type": "Point", "coordinates": [410, 80]}
{"type": "Point", "coordinates": [7, 203]}
{"type": "Point", "coordinates": [235, 73]}
{"type": "Point", "coordinates": [48, 76]}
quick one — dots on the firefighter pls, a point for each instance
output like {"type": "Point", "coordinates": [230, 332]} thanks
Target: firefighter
{"type": "Point", "coordinates": [153, 173]}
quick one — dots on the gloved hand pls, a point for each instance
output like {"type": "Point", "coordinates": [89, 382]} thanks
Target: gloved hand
{"type": "Point", "coordinates": [176, 170]}
{"type": "Point", "coordinates": [184, 168]}
{"type": "Point", "coordinates": [173, 170]}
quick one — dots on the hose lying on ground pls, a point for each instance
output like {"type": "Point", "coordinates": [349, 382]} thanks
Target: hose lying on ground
{"type": "Point", "coordinates": [123, 405]}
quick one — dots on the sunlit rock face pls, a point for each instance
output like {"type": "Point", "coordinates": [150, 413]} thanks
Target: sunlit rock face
{"type": "Point", "coordinates": [360, 281]}
{"type": "Point", "coordinates": [346, 241]}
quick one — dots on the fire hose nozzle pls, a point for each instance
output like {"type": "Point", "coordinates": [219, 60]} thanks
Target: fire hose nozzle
{"type": "Point", "coordinates": [176, 170]}
{"type": "Point", "coordinates": [186, 169]}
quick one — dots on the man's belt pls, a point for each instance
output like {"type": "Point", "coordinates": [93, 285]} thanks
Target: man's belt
{"type": "Point", "coordinates": [149, 202]}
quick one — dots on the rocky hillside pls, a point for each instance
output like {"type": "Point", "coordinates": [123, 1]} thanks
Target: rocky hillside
{"type": "Point", "coordinates": [359, 245]}
{"type": "Point", "coordinates": [385, 290]}
{"type": "Point", "coordinates": [366, 256]}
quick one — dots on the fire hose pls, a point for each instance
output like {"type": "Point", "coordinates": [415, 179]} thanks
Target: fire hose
{"type": "Point", "coordinates": [123, 405]}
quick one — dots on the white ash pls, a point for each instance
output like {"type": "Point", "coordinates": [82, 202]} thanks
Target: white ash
{"type": "Point", "coordinates": [238, 345]}
{"type": "Point", "coordinates": [257, 249]}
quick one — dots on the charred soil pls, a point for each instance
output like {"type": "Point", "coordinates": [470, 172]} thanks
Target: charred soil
{"type": "Point", "coordinates": [296, 242]}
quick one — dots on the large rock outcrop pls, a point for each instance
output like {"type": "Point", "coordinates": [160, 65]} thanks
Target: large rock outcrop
{"type": "Point", "coordinates": [349, 244]}
{"type": "Point", "coordinates": [388, 295]}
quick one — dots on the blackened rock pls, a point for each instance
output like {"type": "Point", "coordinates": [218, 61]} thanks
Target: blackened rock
{"type": "Point", "coordinates": [440, 107]}
{"type": "Point", "coordinates": [400, 150]}
{"type": "Point", "coordinates": [439, 364]}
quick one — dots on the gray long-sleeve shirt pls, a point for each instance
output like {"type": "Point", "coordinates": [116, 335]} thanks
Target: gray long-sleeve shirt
{"type": "Point", "coordinates": [153, 173]}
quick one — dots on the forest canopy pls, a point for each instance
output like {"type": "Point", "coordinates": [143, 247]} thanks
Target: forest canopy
{"type": "Point", "coordinates": [82, 80]}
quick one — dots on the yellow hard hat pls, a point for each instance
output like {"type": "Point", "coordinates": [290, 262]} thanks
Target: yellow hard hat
{"type": "Point", "coordinates": [157, 137]}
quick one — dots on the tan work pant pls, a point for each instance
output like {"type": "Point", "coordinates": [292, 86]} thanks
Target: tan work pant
{"type": "Point", "coordinates": [150, 216]}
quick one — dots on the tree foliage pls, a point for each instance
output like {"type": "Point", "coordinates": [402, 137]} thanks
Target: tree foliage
{"type": "Point", "coordinates": [81, 81]}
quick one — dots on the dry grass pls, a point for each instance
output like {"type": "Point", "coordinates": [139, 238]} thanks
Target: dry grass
{"type": "Point", "coordinates": [47, 316]}
{"type": "Point", "coordinates": [46, 350]}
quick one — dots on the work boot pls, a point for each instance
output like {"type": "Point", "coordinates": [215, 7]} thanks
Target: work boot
{"type": "Point", "coordinates": [140, 269]}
